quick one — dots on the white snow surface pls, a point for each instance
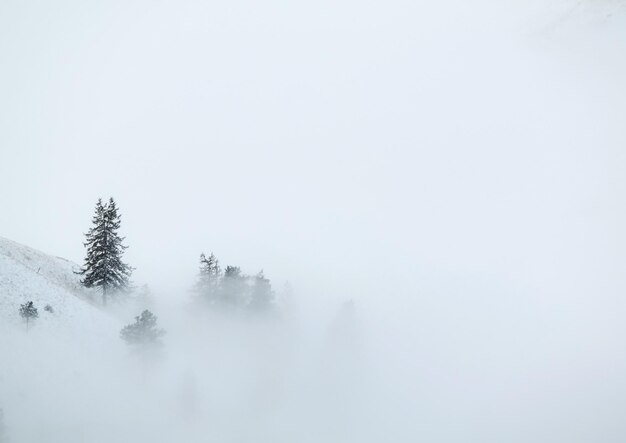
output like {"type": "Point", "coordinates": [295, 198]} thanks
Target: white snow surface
{"type": "Point", "coordinates": [49, 372]}
{"type": "Point", "coordinates": [30, 275]}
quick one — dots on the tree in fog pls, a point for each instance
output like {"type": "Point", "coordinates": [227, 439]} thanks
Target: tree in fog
{"type": "Point", "coordinates": [261, 294]}
{"type": "Point", "coordinates": [103, 266]}
{"type": "Point", "coordinates": [207, 286]}
{"type": "Point", "coordinates": [28, 312]}
{"type": "Point", "coordinates": [233, 287]}
{"type": "Point", "coordinates": [144, 332]}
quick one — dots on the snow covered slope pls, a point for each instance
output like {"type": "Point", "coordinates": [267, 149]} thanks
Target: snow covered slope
{"type": "Point", "coordinates": [27, 274]}
{"type": "Point", "coordinates": [49, 373]}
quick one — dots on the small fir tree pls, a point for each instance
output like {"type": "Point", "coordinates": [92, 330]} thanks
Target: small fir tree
{"type": "Point", "coordinates": [103, 266]}
{"type": "Point", "coordinates": [144, 332]}
{"type": "Point", "coordinates": [28, 312]}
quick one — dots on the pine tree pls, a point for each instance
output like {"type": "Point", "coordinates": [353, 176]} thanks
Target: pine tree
{"type": "Point", "coordinates": [143, 332]}
{"type": "Point", "coordinates": [209, 276]}
{"type": "Point", "coordinates": [103, 266]}
{"type": "Point", "coordinates": [28, 312]}
{"type": "Point", "coordinates": [233, 287]}
{"type": "Point", "coordinates": [262, 296]}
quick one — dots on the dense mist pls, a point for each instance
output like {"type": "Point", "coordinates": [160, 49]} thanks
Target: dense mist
{"type": "Point", "coordinates": [219, 374]}
{"type": "Point", "coordinates": [434, 192]}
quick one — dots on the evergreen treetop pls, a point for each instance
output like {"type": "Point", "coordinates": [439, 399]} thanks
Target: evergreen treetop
{"type": "Point", "coordinates": [209, 276]}
{"type": "Point", "coordinates": [262, 296]}
{"type": "Point", "coordinates": [103, 266]}
{"type": "Point", "coordinates": [232, 289]}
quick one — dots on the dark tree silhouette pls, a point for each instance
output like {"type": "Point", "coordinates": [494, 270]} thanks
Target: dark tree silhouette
{"type": "Point", "coordinates": [28, 312]}
{"type": "Point", "coordinates": [144, 332]}
{"type": "Point", "coordinates": [207, 286]}
{"type": "Point", "coordinates": [103, 266]}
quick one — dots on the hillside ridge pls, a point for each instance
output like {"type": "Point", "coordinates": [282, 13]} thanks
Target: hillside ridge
{"type": "Point", "coordinates": [27, 274]}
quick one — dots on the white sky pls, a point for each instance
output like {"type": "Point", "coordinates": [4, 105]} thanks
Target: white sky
{"type": "Point", "coordinates": [321, 141]}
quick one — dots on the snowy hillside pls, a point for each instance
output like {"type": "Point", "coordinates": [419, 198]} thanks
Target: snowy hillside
{"type": "Point", "coordinates": [27, 274]}
{"type": "Point", "coordinates": [69, 347]}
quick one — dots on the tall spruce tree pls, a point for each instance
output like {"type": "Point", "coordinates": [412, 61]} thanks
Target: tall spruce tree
{"type": "Point", "coordinates": [103, 266]}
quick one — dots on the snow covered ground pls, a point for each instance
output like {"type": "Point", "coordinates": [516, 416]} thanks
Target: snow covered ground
{"type": "Point", "coordinates": [30, 275]}
{"type": "Point", "coordinates": [46, 372]}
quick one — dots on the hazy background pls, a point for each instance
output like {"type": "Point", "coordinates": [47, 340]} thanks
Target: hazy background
{"type": "Point", "coordinates": [316, 140]}
{"type": "Point", "coordinates": [456, 168]}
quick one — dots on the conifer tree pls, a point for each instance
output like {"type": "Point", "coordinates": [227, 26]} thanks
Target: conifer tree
{"type": "Point", "coordinates": [103, 266]}
{"type": "Point", "coordinates": [233, 287]}
{"type": "Point", "coordinates": [262, 296]}
{"type": "Point", "coordinates": [209, 276]}
{"type": "Point", "coordinates": [144, 331]}
{"type": "Point", "coordinates": [28, 312]}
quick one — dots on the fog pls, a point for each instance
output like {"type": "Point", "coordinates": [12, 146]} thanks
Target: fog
{"type": "Point", "coordinates": [440, 184]}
